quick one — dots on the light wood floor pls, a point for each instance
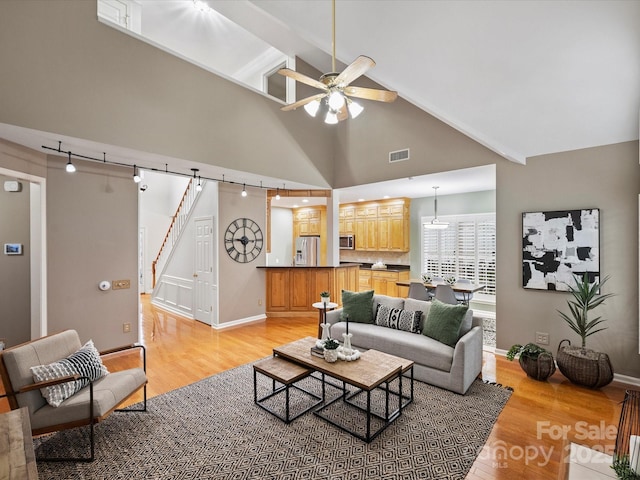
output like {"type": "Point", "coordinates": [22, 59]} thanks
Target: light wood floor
{"type": "Point", "coordinates": [528, 441]}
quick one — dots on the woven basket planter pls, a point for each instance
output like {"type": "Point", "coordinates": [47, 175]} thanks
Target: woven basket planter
{"type": "Point", "coordinates": [584, 367]}
{"type": "Point", "coordinates": [539, 368]}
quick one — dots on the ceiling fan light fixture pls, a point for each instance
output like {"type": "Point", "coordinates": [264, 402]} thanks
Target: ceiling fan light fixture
{"type": "Point", "coordinates": [336, 100]}
{"type": "Point", "coordinates": [312, 107]}
{"type": "Point", "coordinates": [331, 118]}
{"type": "Point", "coordinates": [355, 108]}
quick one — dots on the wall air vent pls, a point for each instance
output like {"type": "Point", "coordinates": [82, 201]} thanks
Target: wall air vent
{"type": "Point", "coordinates": [399, 155]}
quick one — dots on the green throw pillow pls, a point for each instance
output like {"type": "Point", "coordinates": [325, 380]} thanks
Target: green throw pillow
{"type": "Point", "coordinates": [358, 305]}
{"type": "Point", "coordinates": [444, 321]}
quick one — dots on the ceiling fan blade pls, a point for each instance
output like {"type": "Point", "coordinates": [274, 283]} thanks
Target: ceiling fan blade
{"type": "Point", "coordinates": [354, 70]}
{"type": "Point", "coordinates": [287, 72]}
{"type": "Point", "coordinates": [303, 102]}
{"type": "Point", "coordinates": [371, 94]}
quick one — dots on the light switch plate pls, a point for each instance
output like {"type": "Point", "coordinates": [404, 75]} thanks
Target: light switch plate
{"type": "Point", "coordinates": [120, 284]}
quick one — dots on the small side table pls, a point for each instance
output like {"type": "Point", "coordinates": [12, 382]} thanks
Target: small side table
{"type": "Point", "coordinates": [322, 313]}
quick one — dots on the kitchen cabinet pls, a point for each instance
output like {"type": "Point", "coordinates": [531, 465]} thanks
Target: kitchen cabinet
{"type": "Point", "coordinates": [364, 280]}
{"type": "Point", "coordinates": [383, 282]}
{"type": "Point", "coordinates": [290, 291]}
{"type": "Point", "coordinates": [381, 226]}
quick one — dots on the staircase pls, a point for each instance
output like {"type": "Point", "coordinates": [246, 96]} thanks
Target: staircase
{"type": "Point", "coordinates": [178, 222]}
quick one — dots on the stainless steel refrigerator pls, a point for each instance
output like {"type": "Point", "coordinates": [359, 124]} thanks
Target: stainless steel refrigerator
{"type": "Point", "coordinates": [307, 251]}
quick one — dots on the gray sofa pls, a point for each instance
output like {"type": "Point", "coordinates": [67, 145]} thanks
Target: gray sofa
{"type": "Point", "coordinates": [438, 364]}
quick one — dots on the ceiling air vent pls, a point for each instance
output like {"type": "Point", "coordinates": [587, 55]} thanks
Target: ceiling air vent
{"type": "Point", "coordinates": [399, 155]}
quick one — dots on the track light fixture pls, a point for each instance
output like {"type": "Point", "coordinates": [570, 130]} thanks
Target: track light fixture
{"type": "Point", "coordinates": [70, 168]}
{"type": "Point", "coordinates": [277, 194]}
{"type": "Point", "coordinates": [199, 183]}
{"type": "Point", "coordinates": [244, 190]}
{"type": "Point", "coordinates": [136, 175]}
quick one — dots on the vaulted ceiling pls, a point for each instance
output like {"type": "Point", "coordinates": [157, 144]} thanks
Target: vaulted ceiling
{"type": "Point", "coordinates": [522, 77]}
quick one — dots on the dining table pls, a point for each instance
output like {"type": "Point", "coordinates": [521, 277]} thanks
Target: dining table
{"type": "Point", "coordinates": [467, 289]}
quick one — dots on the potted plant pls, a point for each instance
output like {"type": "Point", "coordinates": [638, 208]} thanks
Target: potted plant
{"type": "Point", "coordinates": [583, 365]}
{"type": "Point", "coordinates": [325, 297]}
{"type": "Point", "coordinates": [535, 361]}
{"type": "Point", "coordinates": [331, 350]}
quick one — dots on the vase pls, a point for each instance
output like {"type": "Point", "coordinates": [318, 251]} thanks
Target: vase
{"type": "Point", "coordinates": [331, 355]}
{"type": "Point", "coordinates": [584, 366]}
{"type": "Point", "coordinates": [325, 300]}
{"type": "Point", "coordinates": [539, 368]}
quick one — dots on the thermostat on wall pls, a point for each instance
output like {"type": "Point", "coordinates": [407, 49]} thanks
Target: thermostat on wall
{"type": "Point", "coordinates": [12, 186]}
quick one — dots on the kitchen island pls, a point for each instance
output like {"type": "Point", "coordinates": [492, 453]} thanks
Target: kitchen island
{"type": "Point", "coordinates": [291, 290]}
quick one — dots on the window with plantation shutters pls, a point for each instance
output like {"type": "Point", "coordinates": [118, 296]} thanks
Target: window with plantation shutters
{"type": "Point", "coordinates": [467, 249]}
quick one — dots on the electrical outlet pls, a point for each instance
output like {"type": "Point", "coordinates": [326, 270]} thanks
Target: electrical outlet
{"type": "Point", "coordinates": [542, 338]}
{"type": "Point", "coordinates": [126, 327]}
{"type": "Point", "coordinates": [120, 284]}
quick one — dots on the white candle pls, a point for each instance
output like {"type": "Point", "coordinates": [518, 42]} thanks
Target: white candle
{"type": "Point", "coordinates": [634, 453]}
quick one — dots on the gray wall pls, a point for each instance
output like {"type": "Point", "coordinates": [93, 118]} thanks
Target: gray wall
{"type": "Point", "coordinates": [15, 286]}
{"type": "Point", "coordinates": [241, 286]}
{"type": "Point", "coordinates": [607, 178]}
{"type": "Point", "coordinates": [92, 235]}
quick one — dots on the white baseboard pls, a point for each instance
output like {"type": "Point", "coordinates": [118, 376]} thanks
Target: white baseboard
{"type": "Point", "coordinates": [240, 321]}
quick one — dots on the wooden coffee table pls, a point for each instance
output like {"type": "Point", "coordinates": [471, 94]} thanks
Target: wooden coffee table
{"type": "Point", "coordinates": [374, 371]}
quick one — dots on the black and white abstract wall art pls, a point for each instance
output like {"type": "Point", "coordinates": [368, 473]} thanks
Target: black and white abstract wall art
{"type": "Point", "coordinates": [558, 245]}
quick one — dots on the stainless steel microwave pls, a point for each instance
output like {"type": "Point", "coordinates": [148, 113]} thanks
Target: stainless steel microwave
{"type": "Point", "coordinates": [347, 242]}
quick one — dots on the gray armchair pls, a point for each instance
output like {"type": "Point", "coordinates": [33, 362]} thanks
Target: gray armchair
{"type": "Point", "coordinates": [88, 406]}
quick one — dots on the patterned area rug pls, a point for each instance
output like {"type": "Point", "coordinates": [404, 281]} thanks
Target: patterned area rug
{"type": "Point", "coordinates": [213, 430]}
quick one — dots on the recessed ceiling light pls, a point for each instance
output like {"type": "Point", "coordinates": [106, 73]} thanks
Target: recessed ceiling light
{"type": "Point", "coordinates": [361, 199]}
{"type": "Point", "coordinates": [305, 200]}
{"type": "Point", "coordinates": [386, 196]}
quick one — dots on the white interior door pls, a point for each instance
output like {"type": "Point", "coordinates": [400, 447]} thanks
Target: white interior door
{"type": "Point", "coordinates": [204, 272]}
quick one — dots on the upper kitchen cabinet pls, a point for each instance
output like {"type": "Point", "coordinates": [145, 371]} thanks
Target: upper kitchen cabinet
{"type": "Point", "coordinates": [381, 225]}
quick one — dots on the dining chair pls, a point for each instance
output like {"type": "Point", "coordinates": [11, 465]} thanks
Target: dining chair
{"type": "Point", "coordinates": [418, 291]}
{"type": "Point", "coordinates": [464, 297]}
{"type": "Point", "coordinates": [445, 294]}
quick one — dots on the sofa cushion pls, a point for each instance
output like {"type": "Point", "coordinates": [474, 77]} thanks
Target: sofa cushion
{"type": "Point", "coordinates": [398, 319]}
{"type": "Point", "coordinates": [358, 306]}
{"type": "Point", "coordinates": [85, 362]}
{"type": "Point", "coordinates": [444, 321]}
{"type": "Point", "coordinates": [422, 305]}
{"type": "Point", "coordinates": [419, 348]}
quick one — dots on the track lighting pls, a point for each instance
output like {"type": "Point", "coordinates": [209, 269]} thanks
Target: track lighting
{"type": "Point", "coordinates": [198, 184]}
{"type": "Point", "coordinates": [70, 168]}
{"type": "Point", "coordinates": [277, 194]}
{"type": "Point", "coordinates": [136, 175]}
{"type": "Point", "coordinates": [244, 190]}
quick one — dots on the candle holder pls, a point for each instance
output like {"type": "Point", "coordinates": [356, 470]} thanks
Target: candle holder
{"type": "Point", "coordinates": [326, 334]}
{"type": "Point", "coordinates": [626, 456]}
{"type": "Point", "coordinates": [346, 344]}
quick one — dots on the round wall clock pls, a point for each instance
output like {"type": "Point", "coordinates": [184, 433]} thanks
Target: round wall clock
{"type": "Point", "coordinates": [243, 240]}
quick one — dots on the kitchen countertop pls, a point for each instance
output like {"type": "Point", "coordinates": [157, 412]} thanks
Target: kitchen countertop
{"type": "Point", "coordinates": [312, 266]}
{"type": "Point", "coordinates": [390, 268]}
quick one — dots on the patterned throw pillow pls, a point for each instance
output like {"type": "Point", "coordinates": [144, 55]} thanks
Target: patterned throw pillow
{"type": "Point", "coordinates": [406, 320]}
{"type": "Point", "coordinates": [85, 362]}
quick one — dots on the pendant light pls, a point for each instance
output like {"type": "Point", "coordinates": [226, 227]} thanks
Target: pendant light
{"type": "Point", "coordinates": [436, 224]}
{"type": "Point", "coordinates": [70, 168]}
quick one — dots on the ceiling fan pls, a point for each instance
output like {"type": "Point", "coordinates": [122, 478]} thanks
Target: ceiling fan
{"type": "Point", "coordinates": [336, 88]}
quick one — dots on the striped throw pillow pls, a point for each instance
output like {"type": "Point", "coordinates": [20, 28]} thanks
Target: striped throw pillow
{"type": "Point", "coordinates": [85, 362]}
{"type": "Point", "coordinates": [397, 318]}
